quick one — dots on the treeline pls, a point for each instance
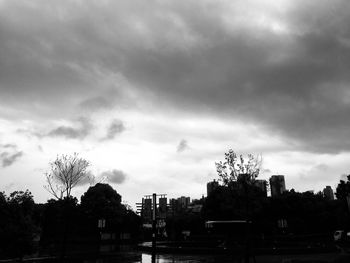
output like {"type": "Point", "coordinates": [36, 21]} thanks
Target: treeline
{"type": "Point", "coordinates": [64, 226]}
{"type": "Point", "coordinates": [292, 215]}
{"type": "Point", "coordinates": [291, 212]}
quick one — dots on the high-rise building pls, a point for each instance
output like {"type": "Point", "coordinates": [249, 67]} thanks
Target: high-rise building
{"type": "Point", "coordinates": [277, 185]}
{"type": "Point", "coordinates": [184, 201]}
{"type": "Point", "coordinates": [147, 208]}
{"type": "Point", "coordinates": [174, 204]}
{"type": "Point", "coordinates": [162, 209]}
{"type": "Point", "coordinates": [178, 204]}
{"type": "Point", "coordinates": [211, 186]}
{"type": "Point", "coordinates": [328, 193]}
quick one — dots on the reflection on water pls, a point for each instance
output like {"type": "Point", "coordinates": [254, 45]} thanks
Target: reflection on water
{"type": "Point", "coordinates": [166, 258]}
{"type": "Point", "coordinates": [148, 258]}
{"type": "Point", "coordinates": [137, 257]}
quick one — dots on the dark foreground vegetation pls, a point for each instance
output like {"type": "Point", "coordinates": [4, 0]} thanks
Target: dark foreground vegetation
{"type": "Point", "coordinates": [66, 226]}
{"type": "Point", "coordinates": [101, 223]}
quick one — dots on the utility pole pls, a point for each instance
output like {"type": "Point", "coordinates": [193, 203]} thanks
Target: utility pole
{"type": "Point", "coordinates": [154, 223]}
{"type": "Point", "coordinates": [148, 211]}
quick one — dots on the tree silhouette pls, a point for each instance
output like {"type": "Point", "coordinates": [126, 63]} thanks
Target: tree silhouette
{"type": "Point", "coordinates": [236, 168]}
{"type": "Point", "coordinates": [343, 189]}
{"type": "Point", "coordinates": [239, 174]}
{"type": "Point", "coordinates": [101, 201]}
{"type": "Point", "coordinates": [17, 227]}
{"type": "Point", "coordinates": [66, 172]}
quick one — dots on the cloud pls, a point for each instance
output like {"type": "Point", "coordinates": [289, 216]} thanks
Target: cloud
{"type": "Point", "coordinates": [183, 145]}
{"type": "Point", "coordinates": [8, 145]}
{"type": "Point", "coordinates": [115, 128]}
{"type": "Point", "coordinates": [96, 103]}
{"type": "Point", "coordinates": [82, 129]}
{"type": "Point", "coordinates": [8, 158]}
{"type": "Point", "coordinates": [9, 154]}
{"type": "Point", "coordinates": [280, 66]}
{"type": "Point", "coordinates": [114, 176]}
{"type": "Point", "coordinates": [317, 173]}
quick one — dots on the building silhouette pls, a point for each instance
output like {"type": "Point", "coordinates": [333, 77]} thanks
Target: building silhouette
{"type": "Point", "coordinates": [262, 185]}
{"type": "Point", "coordinates": [328, 193]}
{"type": "Point", "coordinates": [178, 204]}
{"type": "Point", "coordinates": [211, 186]}
{"type": "Point", "coordinates": [277, 185]}
{"type": "Point", "coordinates": [184, 201]}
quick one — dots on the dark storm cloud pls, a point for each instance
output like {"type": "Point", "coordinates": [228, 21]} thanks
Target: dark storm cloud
{"type": "Point", "coordinates": [8, 158]}
{"type": "Point", "coordinates": [293, 83]}
{"type": "Point", "coordinates": [96, 103]}
{"type": "Point", "coordinates": [107, 99]}
{"type": "Point", "coordinates": [115, 128]}
{"type": "Point", "coordinates": [183, 145]}
{"type": "Point", "coordinates": [285, 69]}
{"type": "Point", "coordinates": [82, 129]}
{"type": "Point", "coordinates": [114, 176]}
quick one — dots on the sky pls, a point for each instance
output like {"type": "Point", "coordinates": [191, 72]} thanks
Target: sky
{"type": "Point", "coordinates": [153, 93]}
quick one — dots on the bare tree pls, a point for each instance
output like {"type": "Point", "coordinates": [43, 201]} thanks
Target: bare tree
{"type": "Point", "coordinates": [66, 172]}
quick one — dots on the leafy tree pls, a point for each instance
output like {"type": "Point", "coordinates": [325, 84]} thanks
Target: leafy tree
{"type": "Point", "coordinates": [342, 193]}
{"type": "Point", "coordinates": [17, 228]}
{"type": "Point", "coordinates": [102, 201]}
{"type": "Point", "coordinates": [236, 168]}
{"type": "Point", "coordinates": [343, 188]}
{"type": "Point", "coordinates": [238, 174]}
{"type": "Point", "coordinates": [60, 225]}
{"type": "Point", "coordinates": [66, 173]}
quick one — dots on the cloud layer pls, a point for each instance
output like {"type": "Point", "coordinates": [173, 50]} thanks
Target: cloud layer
{"type": "Point", "coordinates": [124, 81]}
{"type": "Point", "coordinates": [269, 64]}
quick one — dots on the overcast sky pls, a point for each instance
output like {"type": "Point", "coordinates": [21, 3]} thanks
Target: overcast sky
{"type": "Point", "coordinates": [153, 93]}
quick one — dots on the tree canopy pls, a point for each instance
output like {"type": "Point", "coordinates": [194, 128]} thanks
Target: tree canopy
{"type": "Point", "coordinates": [17, 227]}
{"type": "Point", "coordinates": [237, 168]}
{"type": "Point", "coordinates": [101, 200]}
{"type": "Point", "coordinates": [343, 188]}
